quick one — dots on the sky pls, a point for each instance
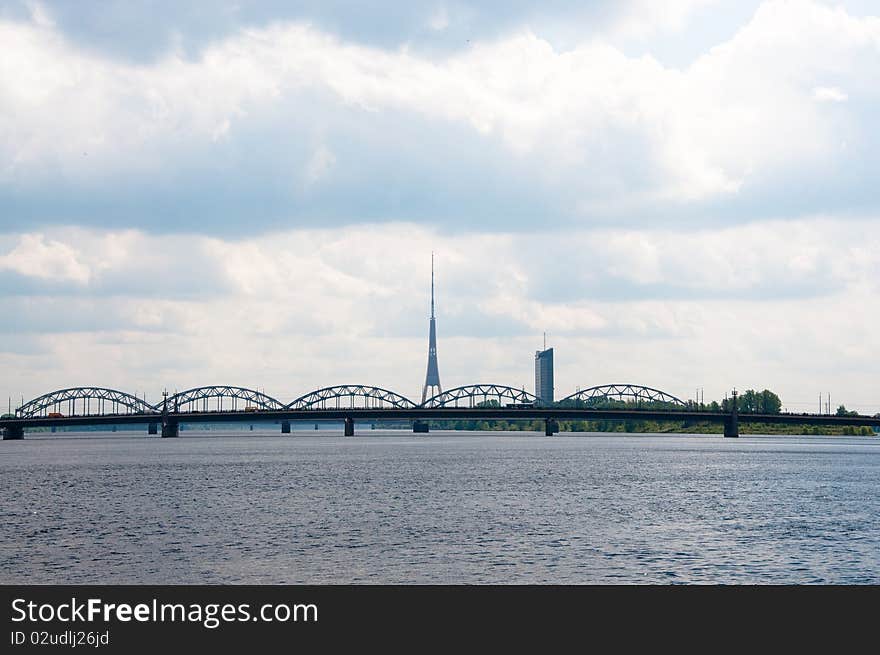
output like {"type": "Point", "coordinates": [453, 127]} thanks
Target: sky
{"type": "Point", "coordinates": [681, 194]}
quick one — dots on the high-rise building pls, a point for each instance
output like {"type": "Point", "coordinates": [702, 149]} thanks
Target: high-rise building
{"type": "Point", "coordinates": [544, 375]}
{"type": "Point", "coordinates": [432, 377]}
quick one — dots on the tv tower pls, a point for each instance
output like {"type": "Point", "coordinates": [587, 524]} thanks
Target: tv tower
{"type": "Point", "coordinates": [432, 377]}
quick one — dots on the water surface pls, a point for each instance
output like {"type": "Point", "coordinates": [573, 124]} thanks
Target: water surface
{"type": "Point", "coordinates": [391, 507]}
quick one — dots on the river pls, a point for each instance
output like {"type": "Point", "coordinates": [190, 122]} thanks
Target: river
{"type": "Point", "coordinates": [393, 507]}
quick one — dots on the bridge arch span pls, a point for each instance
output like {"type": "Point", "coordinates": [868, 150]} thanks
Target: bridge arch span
{"type": "Point", "coordinates": [208, 399]}
{"type": "Point", "coordinates": [85, 401]}
{"type": "Point", "coordinates": [624, 392]}
{"type": "Point", "coordinates": [473, 394]}
{"type": "Point", "coordinates": [346, 396]}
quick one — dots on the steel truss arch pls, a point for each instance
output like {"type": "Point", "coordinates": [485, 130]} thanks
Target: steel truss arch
{"type": "Point", "coordinates": [624, 392]}
{"type": "Point", "coordinates": [100, 399]}
{"type": "Point", "coordinates": [199, 399]}
{"type": "Point", "coordinates": [335, 397]}
{"type": "Point", "coordinates": [481, 393]}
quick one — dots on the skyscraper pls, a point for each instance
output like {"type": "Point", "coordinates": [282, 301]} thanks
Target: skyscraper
{"type": "Point", "coordinates": [544, 375]}
{"type": "Point", "coordinates": [432, 377]}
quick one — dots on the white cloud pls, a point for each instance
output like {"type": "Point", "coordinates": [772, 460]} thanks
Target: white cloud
{"type": "Point", "coordinates": [829, 94]}
{"type": "Point", "coordinates": [642, 18]}
{"type": "Point", "coordinates": [35, 256]}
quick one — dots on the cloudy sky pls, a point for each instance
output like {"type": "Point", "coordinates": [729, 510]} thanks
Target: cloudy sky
{"type": "Point", "coordinates": [682, 194]}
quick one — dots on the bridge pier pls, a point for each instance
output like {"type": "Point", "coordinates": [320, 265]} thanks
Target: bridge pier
{"type": "Point", "coordinates": [13, 433]}
{"type": "Point", "coordinates": [421, 427]}
{"type": "Point", "coordinates": [152, 428]}
{"type": "Point", "coordinates": [170, 429]}
{"type": "Point", "coordinates": [731, 426]}
{"type": "Point", "coordinates": [731, 423]}
{"type": "Point", "coordinates": [285, 427]}
{"type": "Point", "coordinates": [551, 427]}
{"type": "Point", "coordinates": [349, 427]}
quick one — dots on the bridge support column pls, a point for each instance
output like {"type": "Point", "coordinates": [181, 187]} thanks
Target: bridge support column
{"type": "Point", "coordinates": [421, 427]}
{"type": "Point", "coordinates": [152, 428]}
{"type": "Point", "coordinates": [285, 427]}
{"type": "Point", "coordinates": [731, 426]}
{"type": "Point", "coordinates": [170, 429]}
{"type": "Point", "coordinates": [731, 423]}
{"type": "Point", "coordinates": [349, 427]}
{"type": "Point", "coordinates": [551, 427]}
{"type": "Point", "coordinates": [13, 433]}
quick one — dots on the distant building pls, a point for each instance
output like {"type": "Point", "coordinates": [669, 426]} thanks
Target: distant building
{"type": "Point", "coordinates": [544, 375]}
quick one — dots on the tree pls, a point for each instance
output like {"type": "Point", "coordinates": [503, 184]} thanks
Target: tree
{"type": "Point", "coordinates": [748, 401]}
{"type": "Point", "coordinates": [758, 402]}
{"type": "Point", "coordinates": [770, 402]}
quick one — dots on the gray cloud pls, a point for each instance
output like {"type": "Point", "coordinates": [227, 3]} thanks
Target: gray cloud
{"type": "Point", "coordinates": [388, 167]}
{"type": "Point", "coordinates": [65, 315]}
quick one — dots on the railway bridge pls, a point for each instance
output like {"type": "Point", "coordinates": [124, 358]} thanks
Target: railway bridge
{"type": "Point", "coordinates": [350, 403]}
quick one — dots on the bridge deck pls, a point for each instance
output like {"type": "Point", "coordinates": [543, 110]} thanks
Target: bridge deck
{"type": "Point", "coordinates": [439, 413]}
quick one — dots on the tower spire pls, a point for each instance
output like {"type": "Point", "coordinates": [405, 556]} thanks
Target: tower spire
{"type": "Point", "coordinates": [432, 376]}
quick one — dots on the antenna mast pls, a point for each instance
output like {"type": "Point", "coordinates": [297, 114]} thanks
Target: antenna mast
{"type": "Point", "coordinates": [432, 376]}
